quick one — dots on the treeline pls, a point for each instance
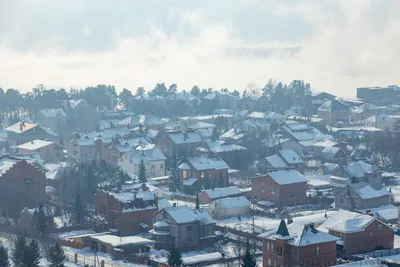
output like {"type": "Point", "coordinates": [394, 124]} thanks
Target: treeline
{"type": "Point", "coordinates": [105, 97]}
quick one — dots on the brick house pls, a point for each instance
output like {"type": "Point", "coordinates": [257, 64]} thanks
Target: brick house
{"type": "Point", "coordinates": [358, 233]}
{"type": "Point", "coordinates": [282, 187]}
{"type": "Point", "coordinates": [229, 152]}
{"type": "Point", "coordinates": [130, 212]}
{"type": "Point", "coordinates": [202, 169]}
{"type": "Point", "coordinates": [45, 149]}
{"type": "Point", "coordinates": [209, 195]}
{"type": "Point", "coordinates": [184, 143]}
{"type": "Point", "coordinates": [189, 229]}
{"type": "Point", "coordinates": [82, 148]}
{"type": "Point", "coordinates": [22, 184]}
{"type": "Point", "coordinates": [310, 248]}
{"type": "Point", "coordinates": [359, 171]}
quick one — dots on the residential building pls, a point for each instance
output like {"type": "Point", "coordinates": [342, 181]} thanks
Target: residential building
{"type": "Point", "coordinates": [22, 132]}
{"type": "Point", "coordinates": [229, 207]}
{"type": "Point", "coordinates": [383, 122]}
{"type": "Point", "coordinates": [359, 196]}
{"type": "Point", "coordinates": [65, 180]}
{"type": "Point", "coordinates": [209, 195]}
{"type": "Point", "coordinates": [184, 143]}
{"type": "Point", "coordinates": [222, 99]}
{"type": "Point", "coordinates": [82, 148]}
{"type": "Point", "coordinates": [310, 248]}
{"type": "Point", "coordinates": [22, 184]}
{"type": "Point", "coordinates": [271, 163]}
{"type": "Point", "coordinates": [359, 171]}
{"type": "Point", "coordinates": [80, 115]}
{"type": "Point", "coordinates": [45, 149]}
{"type": "Point", "coordinates": [299, 132]}
{"type": "Point", "coordinates": [358, 233]}
{"type": "Point", "coordinates": [272, 118]}
{"type": "Point", "coordinates": [256, 102]}
{"type": "Point", "coordinates": [55, 119]}
{"type": "Point", "coordinates": [292, 159]}
{"type": "Point", "coordinates": [152, 158]}
{"type": "Point", "coordinates": [189, 229]}
{"type": "Point", "coordinates": [333, 155]}
{"type": "Point", "coordinates": [381, 95]}
{"type": "Point", "coordinates": [232, 154]}
{"type": "Point", "coordinates": [206, 172]}
{"type": "Point", "coordinates": [128, 212]}
{"type": "Point", "coordinates": [334, 111]}
{"type": "Point", "coordinates": [282, 187]}
{"type": "Point", "coordinates": [112, 244]}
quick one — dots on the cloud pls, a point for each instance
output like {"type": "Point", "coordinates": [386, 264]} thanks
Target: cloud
{"type": "Point", "coordinates": [334, 45]}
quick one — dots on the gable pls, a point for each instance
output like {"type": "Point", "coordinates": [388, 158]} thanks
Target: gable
{"type": "Point", "coordinates": [341, 172]}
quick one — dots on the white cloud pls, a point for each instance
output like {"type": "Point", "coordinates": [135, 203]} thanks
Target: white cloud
{"type": "Point", "coordinates": [349, 44]}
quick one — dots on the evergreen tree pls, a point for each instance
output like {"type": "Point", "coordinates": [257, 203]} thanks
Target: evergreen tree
{"type": "Point", "coordinates": [56, 256]}
{"type": "Point", "coordinates": [90, 185]}
{"type": "Point", "coordinates": [207, 184]}
{"type": "Point", "coordinates": [215, 135]}
{"type": "Point", "coordinates": [197, 202]}
{"type": "Point", "coordinates": [41, 223]}
{"type": "Point", "coordinates": [236, 160]}
{"type": "Point", "coordinates": [248, 259]}
{"type": "Point", "coordinates": [78, 212]}
{"type": "Point", "coordinates": [31, 256]}
{"type": "Point", "coordinates": [142, 172]}
{"type": "Point", "coordinates": [18, 251]}
{"type": "Point", "coordinates": [173, 180]}
{"type": "Point", "coordinates": [4, 261]}
{"type": "Point", "coordinates": [175, 257]}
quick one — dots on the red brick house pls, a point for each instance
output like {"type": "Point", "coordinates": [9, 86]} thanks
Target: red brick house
{"type": "Point", "coordinates": [184, 143]}
{"type": "Point", "coordinates": [213, 171]}
{"type": "Point", "coordinates": [128, 212]}
{"type": "Point", "coordinates": [22, 184]}
{"type": "Point", "coordinates": [310, 248]}
{"type": "Point", "coordinates": [358, 233]}
{"type": "Point", "coordinates": [282, 187]}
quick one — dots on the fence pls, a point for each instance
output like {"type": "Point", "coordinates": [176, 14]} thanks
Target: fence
{"type": "Point", "coordinates": [91, 261]}
{"type": "Point", "coordinates": [377, 254]}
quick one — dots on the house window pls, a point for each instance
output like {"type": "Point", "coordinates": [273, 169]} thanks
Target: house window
{"type": "Point", "coordinates": [189, 238]}
{"type": "Point", "coordinates": [202, 175]}
{"type": "Point", "coordinates": [293, 253]}
{"type": "Point", "coordinates": [268, 246]}
{"type": "Point", "coordinates": [269, 262]}
{"type": "Point", "coordinates": [161, 166]}
{"type": "Point", "coordinates": [272, 247]}
{"type": "Point", "coordinates": [280, 251]}
{"type": "Point", "coordinates": [184, 174]}
{"type": "Point", "coordinates": [380, 227]}
{"type": "Point", "coordinates": [262, 188]}
{"type": "Point", "coordinates": [272, 190]}
{"type": "Point", "coordinates": [189, 228]}
{"type": "Point", "coordinates": [152, 167]}
{"type": "Point", "coordinates": [341, 200]}
{"type": "Point", "coordinates": [317, 251]}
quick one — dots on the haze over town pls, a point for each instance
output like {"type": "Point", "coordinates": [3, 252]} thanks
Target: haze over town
{"type": "Point", "coordinates": [334, 45]}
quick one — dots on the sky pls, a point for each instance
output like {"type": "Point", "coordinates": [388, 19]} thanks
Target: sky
{"type": "Point", "coordinates": [335, 45]}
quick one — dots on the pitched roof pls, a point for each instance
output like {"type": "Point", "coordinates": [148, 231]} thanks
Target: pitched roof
{"type": "Point", "coordinates": [333, 105]}
{"type": "Point", "coordinates": [203, 163]}
{"type": "Point", "coordinates": [311, 236]}
{"type": "Point", "coordinates": [36, 144]}
{"type": "Point", "coordinates": [233, 202]}
{"type": "Point", "coordinates": [184, 137]}
{"type": "Point", "coordinates": [330, 152]}
{"type": "Point", "coordinates": [53, 112]}
{"type": "Point", "coordinates": [276, 162]}
{"type": "Point", "coordinates": [283, 177]}
{"type": "Point", "coordinates": [184, 214]}
{"type": "Point", "coordinates": [347, 222]}
{"type": "Point", "coordinates": [367, 191]}
{"type": "Point", "coordinates": [290, 156]}
{"type": "Point", "coordinates": [222, 192]}
{"type": "Point", "coordinates": [282, 229]}
{"type": "Point", "coordinates": [146, 154]}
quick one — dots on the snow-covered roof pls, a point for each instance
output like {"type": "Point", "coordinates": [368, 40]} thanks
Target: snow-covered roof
{"type": "Point", "coordinates": [233, 202]}
{"type": "Point", "coordinates": [368, 168]}
{"type": "Point", "coordinates": [203, 163]}
{"type": "Point", "coordinates": [200, 125]}
{"type": "Point", "coordinates": [311, 236]}
{"type": "Point", "coordinates": [329, 153]}
{"type": "Point", "coordinates": [34, 145]}
{"type": "Point", "coordinates": [347, 222]}
{"type": "Point", "coordinates": [222, 146]}
{"type": "Point", "coordinates": [256, 115]}
{"type": "Point", "coordinates": [75, 102]}
{"type": "Point", "coordinates": [146, 195]}
{"type": "Point", "coordinates": [232, 134]}
{"type": "Point", "coordinates": [53, 112]}
{"type": "Point", "coordinates": [319, 180]}
{"type": "Point", "coordinates": [276, 162]}
{"type": "Point", "coordinates": [384, 212]}
{"type": "Point", "coordinates": [290, 156]}
{"type": "Point", "coordinates": [325, 143]}
{"type": "Point", "coordinates": [6, 164]}
{"type": "Point", "coordinates": [333, 105]}
{"type": "Point", "coordinates": [116, 241]}
{"type": "Point", "coordinates": [380, 118]}
{"type": "Point", "coordinates": [303, 132]}
{"type": "Point", "coordinates": [367, 191]}
{"type": "Point", "coordinates": [21, 127]}
{"type": "Point", "coordinates": [151, 120]}
{"type": "Point", "coordinates": [283, 177]}
{"type": "Point", "coordinates": [185, 137]}
{"type": "Point", "coordinates": [354, 170]}
{"type": "Point", "coordinates": [196, 259]}
{"type": "Point", "coordinates": [184, 214]}
{"type": "Point", "coordinates": [163, 203]}
{"type": "Point", "coordinates": [190, 182]}
{"type": "Point", "coordinates": [147, 155]}
{"type": "Point", "coordinates": [161, 224]}
{"type": "Point", "coordinates": [222, 192]}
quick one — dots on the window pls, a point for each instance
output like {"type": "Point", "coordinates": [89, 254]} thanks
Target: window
{"type": "Point", "coordinates": [162, 166]}
{"type": "Point", "coordinates": [272, 190]}
{"type": "Point", "coordinates": [268, 246]}
{"type": "Point", "coordinates": [189, 238]}
{"type": "Point", "coordinates": [380, 227]}
{"type": "Point", "coordinates": [272, 247]}
{"type": "Point", "coordinates": [269, 262]}
{"type": "Point", "coordinates": [280, 251]}
{"type": "Point", "coordinates": [317, 251]}
{"type": "Point", "coordinates": [202, 174]}
{"type": "Point", "coordinates": [189, 228]}
{"type": "Point", "coordinates": [341, 200]}
{"type": "Point", "coordinates": [152, 167]}
{"type": "Point", "coordinates": [262, 188]}
{"type": "Point", "coordinates": [184, 174]}
{"type": "Point", "coordinates": [293, 253]}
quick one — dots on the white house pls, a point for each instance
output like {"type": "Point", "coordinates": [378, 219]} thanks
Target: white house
{"type": "Point", "coordinates": [383, 122]}
{"type": "Point", "coordinates": [229, 207]}
{"type": "Point", "coordinates": [153, 159]}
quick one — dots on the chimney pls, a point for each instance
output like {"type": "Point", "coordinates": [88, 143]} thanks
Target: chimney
{"type": "Point", "coordinates": [32, 142]}
{"type": "Point", "coordinates": [21, 126]}
{"type": "Point", "coordinates": [367, 212]}
{"type": "Point", "coordinates": [185, 136]}
{"type": "Point", "coordinates": [174, 204]}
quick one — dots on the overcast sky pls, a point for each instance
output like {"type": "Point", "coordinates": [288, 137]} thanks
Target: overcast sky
{"type": "Point", "coordinates": [335, 45]}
